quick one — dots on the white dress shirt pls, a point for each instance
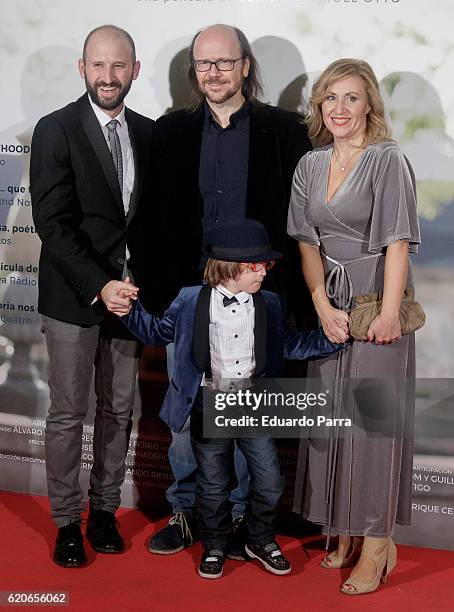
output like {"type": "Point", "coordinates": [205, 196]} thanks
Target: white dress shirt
{"type": "Point", "coordinates": [231, 334]}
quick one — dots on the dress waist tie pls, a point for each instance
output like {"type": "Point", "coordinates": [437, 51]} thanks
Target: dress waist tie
{"type": "Point", "coordinates": [338, 283]}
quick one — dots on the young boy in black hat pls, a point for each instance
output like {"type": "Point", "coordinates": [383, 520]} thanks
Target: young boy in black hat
{"type": "Point", "coordinates": [229, 329]}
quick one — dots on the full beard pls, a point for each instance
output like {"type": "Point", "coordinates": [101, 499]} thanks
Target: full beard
{"type": "Point", "coordinates": [108, 103]}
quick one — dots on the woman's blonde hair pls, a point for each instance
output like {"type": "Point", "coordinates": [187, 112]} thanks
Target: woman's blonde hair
{"type": "Point", "coordinates": [217, 271]}
{"type": "Point", "coordinates": [377, 128]}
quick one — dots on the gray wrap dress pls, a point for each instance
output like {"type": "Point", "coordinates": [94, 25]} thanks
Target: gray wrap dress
{"type": "Point", "coordinates": [359, 482]}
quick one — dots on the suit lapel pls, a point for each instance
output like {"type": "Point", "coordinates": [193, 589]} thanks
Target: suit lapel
{"type": "Point", "coordinates": [139, 156]}
{"type": "Point", "coordinates": [192, 142]}
{"type": "Point", "coordinates": [193, 136]}
{"type": "Point", "coordinates": [260, 332]}
{"type": "Point", "coordinates": [261, 163]}
{"type": "Point", "coordinates": [94, 134]}
{"type": "Point", "coordinates": [200, 338]}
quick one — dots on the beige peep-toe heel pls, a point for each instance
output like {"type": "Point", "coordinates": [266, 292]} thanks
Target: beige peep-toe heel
{"type": "Point", "coordinates": [384, 554]}
{"type": "Point", "coordinates": [335, 561]}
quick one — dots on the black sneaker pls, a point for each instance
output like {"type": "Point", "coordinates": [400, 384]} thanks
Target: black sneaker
{"type": "Point", "coordinates": [212, 563]}
{"type": "Point", "coordinates": [271, 557]}
{"type": "Point", "coordinates": [175, 536]}
{"type": "Point", "coordinates": [237, 540]}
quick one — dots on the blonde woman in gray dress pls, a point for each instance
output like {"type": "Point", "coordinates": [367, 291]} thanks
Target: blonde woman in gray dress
{"type": "Point", "coordinates": [353, 212]}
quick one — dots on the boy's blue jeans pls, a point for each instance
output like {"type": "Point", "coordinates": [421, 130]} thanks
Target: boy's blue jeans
{"type": "Point", "coordinates": [181, 493]}
{"type": "Point", "coordinates": [214, 477]}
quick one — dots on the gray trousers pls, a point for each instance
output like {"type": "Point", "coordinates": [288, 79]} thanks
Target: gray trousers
{"type": "Point", "coordinates": [74, 353]}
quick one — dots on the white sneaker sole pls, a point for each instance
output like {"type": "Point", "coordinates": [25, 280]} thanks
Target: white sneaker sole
{"type": "Point", "coordinates": [269, 568]}
{"type": "Point", "coordinates": [173, 551]}
{"type": "Point", "coordinates": [203, 575]}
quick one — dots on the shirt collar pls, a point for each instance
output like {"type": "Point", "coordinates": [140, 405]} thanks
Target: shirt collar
{"type": "Point", "coordinates": [103, 117]}
{"type": "Point", "coordinates": [241, 113]}
{"type": "Point", "coordinates": [242, 296]}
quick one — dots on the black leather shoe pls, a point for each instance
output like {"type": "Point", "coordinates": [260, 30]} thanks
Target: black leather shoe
{"type": "Point", "coordinates": [69, 547]}
{"type": "Point", "coordinates": [102, 532]}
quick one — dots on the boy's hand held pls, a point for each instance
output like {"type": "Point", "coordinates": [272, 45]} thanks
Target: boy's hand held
{"type": "Point", "coordinates": [117, 296]}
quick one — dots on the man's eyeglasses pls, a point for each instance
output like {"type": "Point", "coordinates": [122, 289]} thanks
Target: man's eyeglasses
{"type": "Point", "coordinates": [224, 65]}
{"type": "Point", "coordinates": [260, 265]}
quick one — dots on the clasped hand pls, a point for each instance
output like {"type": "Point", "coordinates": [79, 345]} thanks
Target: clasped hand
{"type": "Point", "coordinates": [335, 324]}
{"type": "Point", "coordinates": [118, 296]}
{"type": "Point", "coordinates": [384, 329]}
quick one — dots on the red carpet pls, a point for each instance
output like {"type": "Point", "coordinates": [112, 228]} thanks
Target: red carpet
{"type": "Point", "coordinates": [137, 580]}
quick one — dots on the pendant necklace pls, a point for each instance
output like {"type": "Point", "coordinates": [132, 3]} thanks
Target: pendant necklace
{"type": "Point", "coordinates": [344, 166]}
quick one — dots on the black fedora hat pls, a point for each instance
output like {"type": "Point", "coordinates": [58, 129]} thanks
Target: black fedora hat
{"type": "Point", "coordinates": [242, 240]}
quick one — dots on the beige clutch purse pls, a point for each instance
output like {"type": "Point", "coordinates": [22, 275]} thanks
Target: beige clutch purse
{"type": "Point", "coordinates": [368, 306]}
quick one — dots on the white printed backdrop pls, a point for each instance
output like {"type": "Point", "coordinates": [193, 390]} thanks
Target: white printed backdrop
{"type": "Point", "coordinates": [408, 43]}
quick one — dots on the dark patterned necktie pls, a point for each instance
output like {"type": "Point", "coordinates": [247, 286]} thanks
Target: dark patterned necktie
{"type": "Point", "coordinates": [115, 149]}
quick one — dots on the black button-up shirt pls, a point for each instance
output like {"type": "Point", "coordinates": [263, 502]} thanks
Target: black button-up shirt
{"type": "Point", "coordinates": [223, 173]}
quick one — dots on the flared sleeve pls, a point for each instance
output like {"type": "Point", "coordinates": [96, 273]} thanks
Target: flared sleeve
{"type": "Point", "coordinates": [299, 224]}
{"type": "Point", "coordinates": [394, 215]}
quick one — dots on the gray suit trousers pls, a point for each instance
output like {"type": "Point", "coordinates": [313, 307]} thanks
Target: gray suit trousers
{"type": "Point", "coordinates": [74, 354]}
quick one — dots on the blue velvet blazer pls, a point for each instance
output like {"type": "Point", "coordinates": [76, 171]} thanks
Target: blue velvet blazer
{"type": "Point", "coordinates": [186, 323]}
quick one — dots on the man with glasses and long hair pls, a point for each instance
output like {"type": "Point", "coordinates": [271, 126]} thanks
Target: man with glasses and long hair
{"type": "Point", "coordinates": [228, 156]}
